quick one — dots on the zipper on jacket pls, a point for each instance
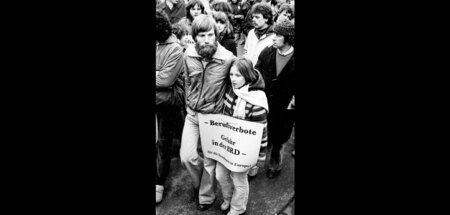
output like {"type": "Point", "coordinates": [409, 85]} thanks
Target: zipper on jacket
{"type": "Point", "coordinates": [203, 81]}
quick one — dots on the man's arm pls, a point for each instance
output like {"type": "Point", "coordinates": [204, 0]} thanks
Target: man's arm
{"type": "Point", "coordinates": [187, 81]}
{"type": "Point", "coordinates": [173, 66]}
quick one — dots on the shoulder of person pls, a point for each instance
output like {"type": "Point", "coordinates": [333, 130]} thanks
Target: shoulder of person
{"type": "Point", "coordinates": [171, 43]}
{"type": "Point", "coordinates": [224, 53]}
{"type": "Point", "coordinates": [268, 49]}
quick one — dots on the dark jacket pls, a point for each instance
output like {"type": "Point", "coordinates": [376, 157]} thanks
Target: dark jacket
{"type": "Point", "coordinates": [279, 90]}
{"type": "Point", "coordinates": [227, 41]}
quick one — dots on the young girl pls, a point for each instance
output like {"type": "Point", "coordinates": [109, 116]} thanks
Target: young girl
{"type": "Point", "coordinates": [244, 100]}
{"type": "Point", "coordinates": [225, 32]}
{"type": "Point", "coordinates": [193, 9]}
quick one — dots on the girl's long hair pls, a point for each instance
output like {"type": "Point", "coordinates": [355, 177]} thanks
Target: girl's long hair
{"type": "Point", "coordinates": [222, 17]}
{"type": "Point", "coordinates": [245, 67]}
{"type": "Point", "coordinates": [192, 4]}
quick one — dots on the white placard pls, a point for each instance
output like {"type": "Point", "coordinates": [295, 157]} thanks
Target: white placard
{"type": "Point", "coordinates": [233, 142]}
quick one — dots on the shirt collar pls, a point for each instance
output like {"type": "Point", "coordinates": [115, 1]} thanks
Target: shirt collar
{"type": "Point", "coordinates": [289, 51]}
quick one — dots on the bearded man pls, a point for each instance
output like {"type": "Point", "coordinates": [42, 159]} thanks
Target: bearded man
{"type": "Point", "coordinates": [207, 65]}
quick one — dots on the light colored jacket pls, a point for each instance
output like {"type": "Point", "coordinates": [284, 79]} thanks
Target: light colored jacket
{"type": "Point", "coordinates": [253, 46]}
{"type": "Point", "coordinates": [205, 86]}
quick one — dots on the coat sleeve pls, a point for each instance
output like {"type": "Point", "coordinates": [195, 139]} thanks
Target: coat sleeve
{"type": "Point", "coordinates": [172, 67]}
{"type": "Point", "coordinates": [261, 58]}
{"type": "Point", "coordinates": [187, 81]}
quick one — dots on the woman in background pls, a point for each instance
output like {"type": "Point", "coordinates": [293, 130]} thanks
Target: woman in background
{"type": "Point", "coordinates": [226, 38]}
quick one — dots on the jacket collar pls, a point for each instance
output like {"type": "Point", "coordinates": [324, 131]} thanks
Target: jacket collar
{"type": "Point", "coordinates": [219, 55]}
{"type": "Point", "coordinates": [269, 31]}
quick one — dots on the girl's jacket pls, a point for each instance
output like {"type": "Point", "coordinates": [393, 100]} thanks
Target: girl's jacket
{"type": "Point", "coordinates": [249, 103]}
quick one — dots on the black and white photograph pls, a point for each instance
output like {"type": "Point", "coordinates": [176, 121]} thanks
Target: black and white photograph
{"type": "Point", "coordinates": [225, 107]}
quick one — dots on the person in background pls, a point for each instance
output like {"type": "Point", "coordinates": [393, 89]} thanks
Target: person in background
{"type": "Point", "coordinates": [247, 24]}
{"type": "Point", "coordinates": [276, 4]}
{"type": "Point", "coordinates": [207, 64]}
{"type": "Point", "coordinates": [225, 32]}
{"type": "Point", "coordinates": [239, 10]}
{"type": "Point", "coordinates": [181, 32]}
{"type": "Point", "coordinates": [277, 66]}
{"type": "Point", "coordinates": [246, 100]}
{"type": "Point", "coordinates": [193, 9]}
{"type": "Point", "coordinates": [175, 9]}
{"type": "Point", "coordinates": [285, 12]}
{"type": "Point", "coordinates": [169, 97]}
{"type": "Point", "coordinates": [262, 35]}
{"type": "Point", "coordinates": [223, 6]}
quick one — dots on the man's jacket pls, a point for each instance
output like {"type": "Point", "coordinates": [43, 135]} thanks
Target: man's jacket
{"type": "Point", "coordinates": [169, 71]}
{"type": "Point", "coordinates": [254, 45]}
{"type": "Point", "coordinates": [279, 89]}
{"type": "Point", "coordinates": [205, 86]}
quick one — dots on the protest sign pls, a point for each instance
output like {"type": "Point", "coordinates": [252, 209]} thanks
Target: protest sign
{"type": "Point", "coordinates": [233, 142]}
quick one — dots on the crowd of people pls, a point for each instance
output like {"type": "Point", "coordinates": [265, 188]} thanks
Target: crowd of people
{"type": "Point", "coordinates": [198, 72]}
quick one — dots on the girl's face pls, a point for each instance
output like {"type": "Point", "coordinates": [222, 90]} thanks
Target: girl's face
{"type": "Point", "coordinates": [234, 1]}
{"type": "Point", "coordinates": [195, 11]}
{"type": "Point", "coordinates": [237, 80]}
{"type": "Point", "coordinates": [220, 26]}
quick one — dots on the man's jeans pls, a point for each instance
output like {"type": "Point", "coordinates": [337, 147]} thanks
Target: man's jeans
{"type": "Point", "coordinates": [202, 171]}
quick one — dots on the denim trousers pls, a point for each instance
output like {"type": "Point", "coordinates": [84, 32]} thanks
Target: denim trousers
{"type": "Point", "coordinates": [201, 170]}
{"type": "Point", "coordinates": [168, 118]}
{"type": "Point", "coordinates": [235, 188]}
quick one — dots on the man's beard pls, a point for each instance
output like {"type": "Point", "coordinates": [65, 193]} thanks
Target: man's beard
{"type": "Point", "coordinates": [206, 51]}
